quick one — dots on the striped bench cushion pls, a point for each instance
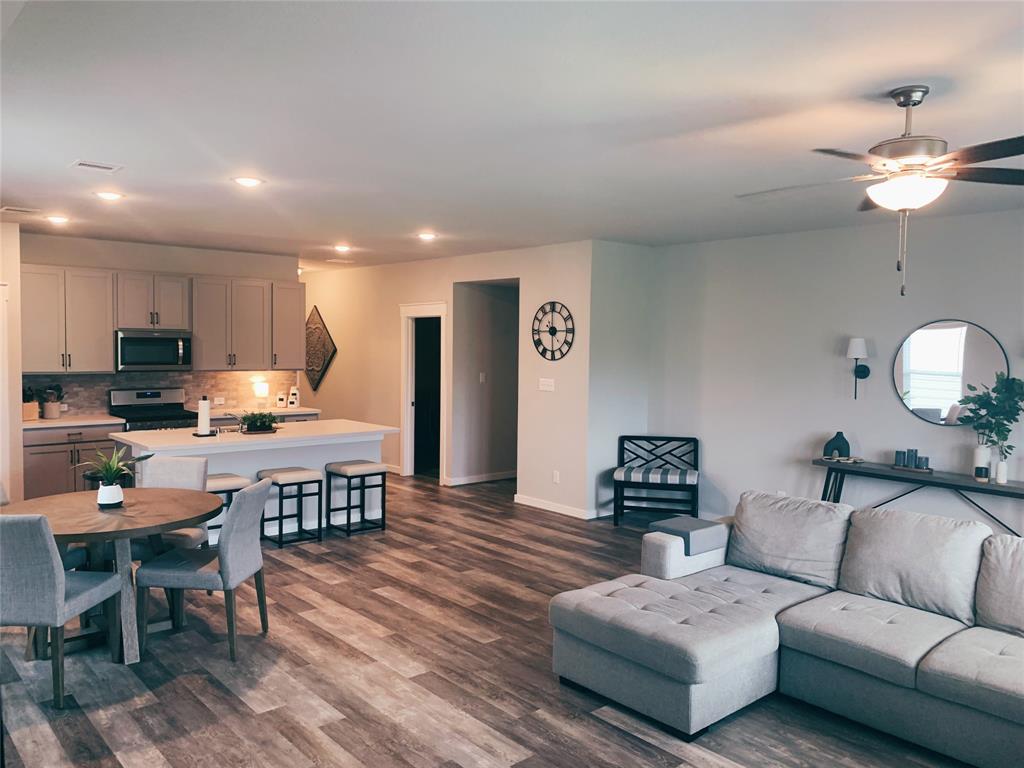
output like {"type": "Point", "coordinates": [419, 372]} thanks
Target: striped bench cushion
{"type": "Point", "coordinates": [653, 475]}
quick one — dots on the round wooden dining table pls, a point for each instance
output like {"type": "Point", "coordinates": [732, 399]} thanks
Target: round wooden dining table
{"type": "Point", "coordinates": [147, 512]}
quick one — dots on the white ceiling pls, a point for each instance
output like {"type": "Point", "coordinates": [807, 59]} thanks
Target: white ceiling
{"type": "Point", "coordinates": [499, 125]}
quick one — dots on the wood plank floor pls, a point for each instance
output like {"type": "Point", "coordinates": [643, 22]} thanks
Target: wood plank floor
{"type": "Point", "coordinates": [425, 646]}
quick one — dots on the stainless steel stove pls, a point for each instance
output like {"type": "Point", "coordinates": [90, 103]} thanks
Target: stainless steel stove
{"type": "Point", "coordinates": [151, 409]}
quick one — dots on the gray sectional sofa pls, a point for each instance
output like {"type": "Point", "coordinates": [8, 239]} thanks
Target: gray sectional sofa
{"type": "Point", "coordinates": [912, 624]}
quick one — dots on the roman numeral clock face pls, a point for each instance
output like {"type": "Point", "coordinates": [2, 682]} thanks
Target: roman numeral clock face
{"type": "Point", "coordinates": [553, 330]}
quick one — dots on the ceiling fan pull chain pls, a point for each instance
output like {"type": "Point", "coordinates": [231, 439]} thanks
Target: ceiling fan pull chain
{"type": "Point", "coordinates": [904, 227]}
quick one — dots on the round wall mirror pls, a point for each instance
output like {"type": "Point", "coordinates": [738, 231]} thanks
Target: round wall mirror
{"type": "Point", "coordinates": [936, 362]}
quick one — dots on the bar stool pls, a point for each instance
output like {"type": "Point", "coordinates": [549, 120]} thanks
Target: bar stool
{"type": "Point", "coordinates": [298, 478]}
{"type": "Point", "coordinates": [356, 470]}
{"type": "Point", "coordinates": [225, 485]}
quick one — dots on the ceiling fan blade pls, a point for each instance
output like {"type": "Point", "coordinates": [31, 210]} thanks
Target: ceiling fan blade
{"type": "Point", "coordinates": [860, 158]}
{"type": "Point", "coordinates": [864, 177]}
{"type": "Point", "coordinates": [979, 153]}
{"type": "Point", "coordinates": [1013, 176]}
{"type": "Point", "coordinates": [867, 204]}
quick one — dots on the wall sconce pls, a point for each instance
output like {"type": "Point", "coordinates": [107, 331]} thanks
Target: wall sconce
{"type": "Point", "coordinates": [857, 350]}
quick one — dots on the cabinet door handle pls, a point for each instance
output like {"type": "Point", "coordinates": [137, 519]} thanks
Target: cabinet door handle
{"type": "Point", "coordinates": [157, 314]}
{"type": "Point", "coordinates": [69, 361]}
{"type": "Point", "coordinates": [62, 358]}
{"type": "Point", "coordinates": [275, 358]}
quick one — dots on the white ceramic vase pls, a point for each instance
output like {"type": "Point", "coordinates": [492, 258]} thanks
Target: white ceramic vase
{"type": "Point", "coordinates": [109, 496]}
{"type": "Point", "coordinates": [51, 410]}
{"type": "Point", "coordinates": [982, 460]}
{"type": "Point", "coordinates": [1001, 473]}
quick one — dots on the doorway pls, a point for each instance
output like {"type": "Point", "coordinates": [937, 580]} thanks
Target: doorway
{"type": "Point", "coordinates": [427, 396]}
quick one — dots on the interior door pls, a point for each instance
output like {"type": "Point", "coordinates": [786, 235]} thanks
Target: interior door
{"type": "Point", "coordinates": [289, 334]}
{"type": "Point", "coordinates": [134, 300]}
{"type": "Point", "coordinates": [171, 297]}
{"type": "Point", "coordinates": [427, 396]}
{"type": "Point", "coordinates": [42, 319]}
{"type": "Point", "coordinates": [250, 324]}
{"type": "Point", "coordinates": [211, 323]}
{"type": "Point", "coordinates": [90, 320]}
{"type": "Point", "coordinates": [49, 470]}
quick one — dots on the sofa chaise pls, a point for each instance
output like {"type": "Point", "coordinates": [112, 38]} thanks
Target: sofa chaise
{"type": "Point", "coordinates": [912, 624]}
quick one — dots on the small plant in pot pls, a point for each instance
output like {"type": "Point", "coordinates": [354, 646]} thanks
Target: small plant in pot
{"type": "Point", "coordinates": [29, 404]}
{"type": "Point", "coordinates": [260, 421]}
{"type": "Point", "coordinates": [992, 413]}
{"type": "Point", "coordinates": [50, 399]}
{"type": "Point", "coordinates": [110, 471]}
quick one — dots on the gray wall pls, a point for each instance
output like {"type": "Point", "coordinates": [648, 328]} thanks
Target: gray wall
{"type": "Point", "coordinates": [485, 340]}
{"type": "Point", "coordinates": [751, 351]}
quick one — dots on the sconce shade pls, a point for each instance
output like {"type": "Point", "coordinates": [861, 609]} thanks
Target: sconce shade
{"type": "Point", "coordinates": [857, 349]}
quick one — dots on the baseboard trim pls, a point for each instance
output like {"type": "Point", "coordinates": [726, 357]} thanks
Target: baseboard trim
{"type": "Point", "coordinates": [394, 469]}
{"type": "Point", "coordinates": [485, 478]}
{"type": "Point", "coordinates": [554, 506]}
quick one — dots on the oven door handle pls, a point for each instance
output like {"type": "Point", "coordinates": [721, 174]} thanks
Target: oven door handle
{"type": "Point", "coordinates": [181, 351]}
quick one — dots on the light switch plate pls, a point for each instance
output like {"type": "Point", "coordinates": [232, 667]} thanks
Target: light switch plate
{"type": "Point", "coordinates": [218, 401]}
{"type": "Point", "coordinates": [546, 385]}
{"type": "Point", "coordinates": [483, 377]}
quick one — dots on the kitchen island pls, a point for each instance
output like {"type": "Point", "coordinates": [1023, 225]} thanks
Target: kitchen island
{"type": "Point", "coordinates": [308, 444]}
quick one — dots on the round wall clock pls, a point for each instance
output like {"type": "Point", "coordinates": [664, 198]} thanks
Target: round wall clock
{"type": "Point", "coordinates": [553, 330]}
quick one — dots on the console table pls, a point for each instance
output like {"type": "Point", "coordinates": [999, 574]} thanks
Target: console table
{"type": "Point", "coordinates": [960, 484]}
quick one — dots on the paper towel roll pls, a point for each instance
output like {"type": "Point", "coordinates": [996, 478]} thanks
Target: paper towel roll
{"type": "Point", "coordinates": [204, 416]}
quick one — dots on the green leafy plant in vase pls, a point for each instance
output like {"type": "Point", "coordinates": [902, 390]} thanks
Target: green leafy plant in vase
{"type": "Point", "coordinates": [50, 399]}
{"type": "Point", "coordinates": [258, 421]}
{"type": "Point", "coordinates": [110, 471]}
{"type": "Point", "coordinates": [992, 412]}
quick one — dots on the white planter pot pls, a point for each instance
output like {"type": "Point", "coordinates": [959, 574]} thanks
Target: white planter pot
{"type": "Point", "coordinates": [51, 410]}
{"type": "Point", "coordinates": [109, 496]}
{"type": "Point", "coordinates": [1001, 473]}
{"type": "Point", "coordinates": [982, 459]}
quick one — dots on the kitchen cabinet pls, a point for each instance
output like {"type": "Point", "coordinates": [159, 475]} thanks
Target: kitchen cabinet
{"type": "Point", "coordinates": [288, 337]}
{"type": "Point", "coordinates": [148, 300]}
{"type": "Point", "coordinates": [53, 457]}
{"type": "Point", "coordinates": [67, 322]}
{"type": "Point", "coordinates": [231, 324]}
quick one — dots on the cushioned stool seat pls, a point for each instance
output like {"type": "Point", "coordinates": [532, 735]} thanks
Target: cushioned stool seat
{"type": "Point", "coordinates": [655, 475]}
{"type": "Point", "coordinates": [355, 473]}
{"type": "Point", "coordinates": [289, 475]}
{"type": "Point", "coordinates": [356, 467]}
{"type": "Point", "coordinates": [226, 482]}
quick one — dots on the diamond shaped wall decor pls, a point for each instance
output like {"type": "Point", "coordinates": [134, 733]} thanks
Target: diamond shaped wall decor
{"type": "Point", "coordinates": [320, 348]}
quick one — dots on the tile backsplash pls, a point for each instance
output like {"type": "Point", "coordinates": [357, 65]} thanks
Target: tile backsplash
{"type": "Point", "coordinates": [87, 393]}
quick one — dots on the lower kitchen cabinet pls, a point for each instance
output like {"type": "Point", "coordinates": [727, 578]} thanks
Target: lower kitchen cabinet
{"type": "Point", "coordinates": [53, 458]}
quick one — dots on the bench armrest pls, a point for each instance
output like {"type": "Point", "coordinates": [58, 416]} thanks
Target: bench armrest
{"type": "Point", "coordinates": [663, 556]}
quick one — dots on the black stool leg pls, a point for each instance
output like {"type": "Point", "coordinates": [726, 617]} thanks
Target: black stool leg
{"type": "Point", "coordinates": [383, 499]}
{"type": "Point", "coordinates": [280, 516]}
{"type": "Point", "coordinates": [319, 510]}
{"type": "Point", "coordinates": [330, 481]}
{"type": "Point", "coordinates": [348, 506]}
{"type": "Point", "coordinates": [299, 527]}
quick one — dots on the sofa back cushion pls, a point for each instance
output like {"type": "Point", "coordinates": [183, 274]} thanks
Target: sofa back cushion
{"type": "Point", "coordinates": [924, 561]}
{"type": "Point", "coordinates": [798, 539]}
{"type": "Point", "coordinates": [1000, 595]}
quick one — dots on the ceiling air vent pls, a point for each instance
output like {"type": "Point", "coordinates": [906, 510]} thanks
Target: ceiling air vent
{"type": "Point", "coordinates": [19, 209]}
{"type": "Point", "coordinates": [91, 165]}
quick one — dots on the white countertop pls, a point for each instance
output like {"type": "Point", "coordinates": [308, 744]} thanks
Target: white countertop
{"type": "Point", "coordinates": [220, 413]}
{"type": "Point", "coordinates": [290, 435]}
{"type": "Point", "coordinates": [75, 420]}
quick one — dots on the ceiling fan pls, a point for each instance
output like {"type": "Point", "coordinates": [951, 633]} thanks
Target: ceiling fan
{"type": "Point", "coordinates": [913, 171]}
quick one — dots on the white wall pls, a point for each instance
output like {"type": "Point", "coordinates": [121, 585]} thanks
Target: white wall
{"type": "Point", "coordinates": [146, 257]}
{"type": "Point", "coordinates": [751, 351]}
{"type": "Point", "coordinates": [485, 341]}
{"type": "Point", "coordinates": [361, 310]}
{"type": "Point", "coordinates": [11, 469]}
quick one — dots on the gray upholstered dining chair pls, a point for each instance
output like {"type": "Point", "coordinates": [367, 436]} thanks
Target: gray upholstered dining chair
{"type": "Point", "coordinates": [177, 472]}
{"type": "Point", "coordinates": [237, 557]}
{"type": "Point", "coordinates": [35, 590]}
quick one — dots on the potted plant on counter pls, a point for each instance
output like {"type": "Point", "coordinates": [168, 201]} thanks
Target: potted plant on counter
{"type": "Point", "coordinates": [111, 471]}
{"type": "Point", "coordinates": [992, 413]}
{"type": "Point", "coordinates": [29, 405]}
{"type": "Point", "coordinates": [50, 399]}
{"type": "Point", "coordinates": [257, 422]}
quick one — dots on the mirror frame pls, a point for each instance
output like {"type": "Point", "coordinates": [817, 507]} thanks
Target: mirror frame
{"type": "Point", "coordinates": [892, 365]}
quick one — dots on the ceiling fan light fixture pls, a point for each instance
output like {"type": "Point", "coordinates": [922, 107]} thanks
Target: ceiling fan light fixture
{"type": "Point", "coordinates": [907, 191]}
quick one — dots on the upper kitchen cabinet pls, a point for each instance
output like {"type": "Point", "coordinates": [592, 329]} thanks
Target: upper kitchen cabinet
{"type": "Point", "coordinates": [231, 324]}
{"type": "Point", "coordinates": [211, 323]}
{"type": "Point", "coordinates": [289, 321]}
{"type": "Point", "coordinates": [250, 324]}
{"type": "Point", "coordinates": [67, 323]}
{"type": "Point", "coordinates": [147, 300]}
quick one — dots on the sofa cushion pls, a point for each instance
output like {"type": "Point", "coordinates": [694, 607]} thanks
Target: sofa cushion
{"type": "Point", "coordinates": [882, 639]}
{"type": "Point", "coordinates": [999, 599]}
{"type": "Point", "coordinates": [693, 629]}
{"type": "Point", "coordinates": [798, 539]}
{"type": "Point", "coordinates": [925, 561]}
{"type": "Point", "coordinates": [979, 668]}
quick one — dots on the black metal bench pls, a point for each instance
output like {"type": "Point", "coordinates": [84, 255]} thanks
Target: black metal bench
{"type": "Point", "coordinates": [665, 468]}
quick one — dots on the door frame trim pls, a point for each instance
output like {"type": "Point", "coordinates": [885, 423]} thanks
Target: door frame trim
{"type": "Point", "coordinates": [408, 314]}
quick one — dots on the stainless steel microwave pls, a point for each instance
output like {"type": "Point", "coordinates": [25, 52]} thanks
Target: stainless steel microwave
{"type": "Point", "coordinates": [153, 350]}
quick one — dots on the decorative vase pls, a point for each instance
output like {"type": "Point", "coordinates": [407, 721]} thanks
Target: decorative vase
{"type": "Point", "coordinates": [30, 411]}
{"type": "Point", "coordinates": [982, 459]}
{"type": "Point", "coordinates": [838, 445]}
{"type": "Point", "coordinates": [1001, 473]}
{"type": "Point", "coordinates": [109, 496]}
{"type": "Point", "coordinates": [51, 410]}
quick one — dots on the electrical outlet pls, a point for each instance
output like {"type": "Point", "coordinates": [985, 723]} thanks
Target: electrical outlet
{"type": "Point", "coordinates": [63, 406]}
{"type": "Point", "coordinates": [781, 493]}
{"type": "Point", "coordinates": [218, 401]}
{"type": "Point", "coordinates": [555, 477]}
{"type": "Point", "coordinates": [546, 385]}
{"type": "Point", "coordinates": [483, 377]}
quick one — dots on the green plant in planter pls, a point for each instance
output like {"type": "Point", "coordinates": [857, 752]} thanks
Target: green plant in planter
{"type": "Point", "coordinates": [993, 412]}
{"type": "Point", "coordinates": [28, 395]}
{"type": "Point", "coordinates": [110, 469]}
{"type": "Point", "coordinates": [259, 421]}
{"type": "Point", "coordinates": [53, 394]}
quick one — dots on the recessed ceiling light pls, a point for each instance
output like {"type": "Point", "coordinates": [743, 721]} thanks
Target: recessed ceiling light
{"type": "Point", "coordinates": [57, 219]}
{"type": "Point", "coordinates": [111, 197]}
{"type": "Point", "coordinates": [342, 261]}
{"type": "Point", "coordinates": [247, 181]}
{"type": "Point", "coordinates": [342, 248]}
{"type": "Point", "coordinates": [427, 236]}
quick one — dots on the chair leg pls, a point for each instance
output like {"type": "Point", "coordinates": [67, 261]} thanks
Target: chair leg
{"type": "Point", "coordinates": [112, 612]}
{"type": "Point", "coordinates": [617, 506]}
{"type": "Point", "coordinates": [57, 665]}
{"type": "Point", "coordinates": [229, 610]}
{"type": "Point", "coordinates": [178, 617]}
{"type": "Point", "coordinates": [261, 598]}
{"type": "Point", "coordinates": [142, 612]}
